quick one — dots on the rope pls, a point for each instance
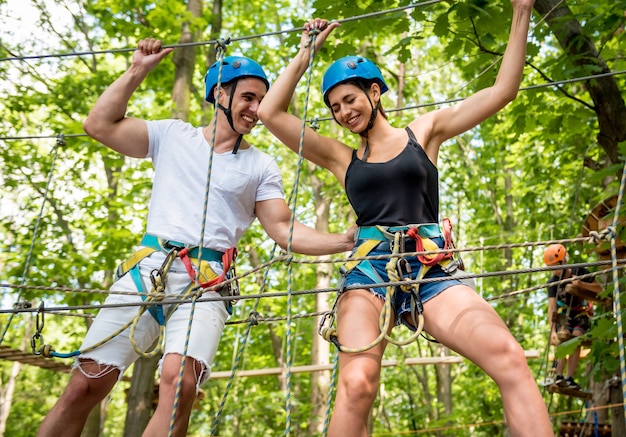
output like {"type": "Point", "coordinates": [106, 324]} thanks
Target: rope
{"type": "Point", "coordinates": [331, 393]}
{"type": "Point", "coordinates": [47, 351]}
{"type": "Point", "coordinates": [293, 201]}
{"type": "Point", "coordinates": [616, 292]}
{"type": "Point", "coordinates": [400, 109]}
{"type": "Point", "coordinates": [393, 270]}
{"type": "Point", "coordinates": [59, 142]}
{"type": "Point", "coordinates": [406, 285]}
{"type": "Point", "coordinates": [218, 86]}
{"type": "Point", "coordinates": [221, 48]}
{"type": "Point", "coordinates": [253, 320]}
{"type": "Point", "coordinates": [183, 362]}
{"type": "Point", "coordinates": [253, 314]}
{"type": "Point", "coordinates": [211, 42]}
{"type": "Point", "coordinates": [59, 309]}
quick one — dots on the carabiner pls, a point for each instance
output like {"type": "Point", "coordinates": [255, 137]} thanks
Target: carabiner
{"type": "Point", "coordinates": [404, 269]}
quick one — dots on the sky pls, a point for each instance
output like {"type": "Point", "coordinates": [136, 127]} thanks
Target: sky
{"type": "Point", "coordinates": [18, 21]}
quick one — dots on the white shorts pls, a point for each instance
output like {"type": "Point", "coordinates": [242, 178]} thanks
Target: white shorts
{"type": "Point", "coordinates": [208, 323]}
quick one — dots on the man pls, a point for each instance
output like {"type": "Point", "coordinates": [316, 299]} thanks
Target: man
{"type": "Point", "coordinates": [244, 184]}
{"type": "Point", "coordinates": [569, 313]}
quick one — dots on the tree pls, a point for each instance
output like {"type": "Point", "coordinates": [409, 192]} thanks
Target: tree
{"type": "Point", "coordinates": [529, 174]}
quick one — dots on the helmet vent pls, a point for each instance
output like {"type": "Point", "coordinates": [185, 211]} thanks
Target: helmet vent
{"type": "Point", "coordinates": [352, 65]}
{"type": "Point", "coordinates": [236, 64]}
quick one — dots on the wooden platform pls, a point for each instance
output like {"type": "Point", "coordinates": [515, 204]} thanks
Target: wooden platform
{"type": "Point", "coordinates": [577, 429]}
{"type": "Point", "coordinates": [6, 353]}
{"type": "Point", "coordinates": [598, 219]}
{"type": "Point", "coordinates": [586, 395]}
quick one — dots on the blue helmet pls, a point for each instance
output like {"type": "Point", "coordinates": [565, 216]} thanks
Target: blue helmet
{"type": "Point", "coordinates": [234, 67]}
{"type": "Point", "coordinates": [349, 68]}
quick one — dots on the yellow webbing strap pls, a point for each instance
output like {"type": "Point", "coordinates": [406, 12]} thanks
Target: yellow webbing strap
{"type": "Point", "coordinates": [206, 272]}
{"type": "Point", "coordinates": [134, 259]}
{"type": "Point", "coordinates": [363, 250]}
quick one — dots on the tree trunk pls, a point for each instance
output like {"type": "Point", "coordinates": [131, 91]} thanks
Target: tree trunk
{"type": "Point", "coordinates": [617, 413]}
{"type": "Point", "coordinates": [444, 382]}
{"type": "Point", "coordinates": [95, 420]}
{"type": "Point", "coordinates": [141, 396]}
{"type": "Point", "coordinates": [6, 396]}
{"type": "Point", "coordinates": [185, 61]}
{"type": "Point", "coordinates": [216, 29]}
{"type": "Point", "coordinates": [608, 102]}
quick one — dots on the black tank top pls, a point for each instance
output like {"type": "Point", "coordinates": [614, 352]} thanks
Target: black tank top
{"type": "Point", "coordinates": [402, 191]}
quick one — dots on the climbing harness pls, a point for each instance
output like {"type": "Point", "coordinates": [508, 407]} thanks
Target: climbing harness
{"type": "Point", "coordinates": [189, 255]}
{"type": "Point", "coordinates": [566, 312]}
{"type": "Point", "coordinates": [158, 277]}
{"type": "Point", "coordinates": [396, 239]}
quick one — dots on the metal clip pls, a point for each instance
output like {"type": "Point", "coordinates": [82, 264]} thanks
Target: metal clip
{"type": "Point", "coordinates": [326, 317]}
{"type": "Point", "coordinates": [231, 288]}
{"type": "Point", "coordinates": [22, 305]}
{"type": "Point", "coordinates": [451, 267]}
{"type": "Point", "coordinates": [404, 269]}
{"type": "Point", "coordinates": [158, 277]}
{"type": "Point", "coordinates": [158, 281]}
{"type": "Point", "coordinates": [39, 324]}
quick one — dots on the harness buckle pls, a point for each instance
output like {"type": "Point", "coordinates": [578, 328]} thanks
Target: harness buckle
{"type": "Point", "coordinates": [169, 245]}
{"type": "Point", "coordinates": [231, 288]}
{"type": "Point", "coordinates": [450, 267]}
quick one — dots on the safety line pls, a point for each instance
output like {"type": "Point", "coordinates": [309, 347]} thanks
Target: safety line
{"type": "Point", "coordinates": [209, 42]}
{"type": "Point", "coordinates": [400, 109]}
{"type": "Point", "coordinates": [59, 142]}
{"type": "Point", "coordinates": [331, 392]}
{"type": "Point", "coordinates": [292, 259]}
{"type": "Point", "coordinates": [617, 309]}
{"type": "Point", "coordinates": [168, 301]}
{"type": "Point", "coordinates": [252, 321]}
{"type": "Point", "coordinates": [220, 52]}
{"type": "Point", "coordinates": [294, 199]}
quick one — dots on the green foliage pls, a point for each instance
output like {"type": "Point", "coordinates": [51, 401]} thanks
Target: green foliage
{"type": "Point", "coordinates": [531, 173]}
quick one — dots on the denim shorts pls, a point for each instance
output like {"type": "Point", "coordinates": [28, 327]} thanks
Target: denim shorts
{"type": "Point", "coordinates": [402, 300]}
{"type": "Point", "coordinates": [208, 323]}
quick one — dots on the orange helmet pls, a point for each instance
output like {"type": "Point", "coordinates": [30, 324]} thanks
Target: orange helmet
{"type": "Point", "coordinates": [555, 253]}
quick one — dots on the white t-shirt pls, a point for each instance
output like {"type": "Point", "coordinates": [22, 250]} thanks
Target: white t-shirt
{"type": "Point", "coordinates": [180, 156]}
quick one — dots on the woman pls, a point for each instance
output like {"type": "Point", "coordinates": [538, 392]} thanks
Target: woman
{"type": "Point", "coordinates": [392, 180]}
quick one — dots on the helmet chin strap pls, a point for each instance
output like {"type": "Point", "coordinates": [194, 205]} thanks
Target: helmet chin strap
{"type": "Point", "coordinates": [229, 116]}
{"type": "Point", "coordinates": [370, 123]}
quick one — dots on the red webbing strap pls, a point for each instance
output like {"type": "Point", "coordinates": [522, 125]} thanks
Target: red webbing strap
{"type": "Point", "coordinates": [227, 260]}
{"type": "Point", "coordinates": [431, 260]}
{"type": "Point", "coordinates": [183, 254]}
